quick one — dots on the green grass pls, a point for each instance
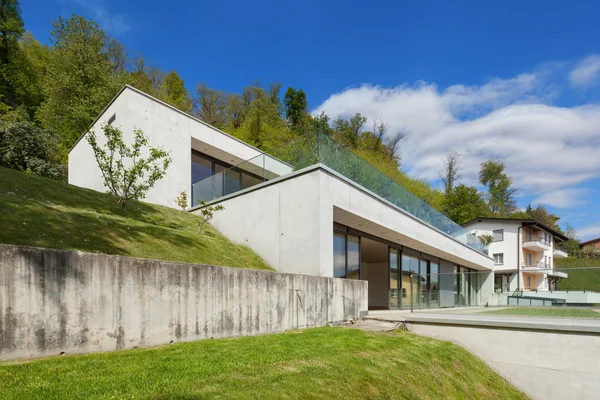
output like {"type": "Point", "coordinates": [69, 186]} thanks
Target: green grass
{"type": "Point", "coordinates": [547, 312]}
{"type": "Point", "coordinates": [315, 363]}
{"type": "Point", "coordinates": [587, 278]}
{"type": "Point", "coordinates": [42, 212]}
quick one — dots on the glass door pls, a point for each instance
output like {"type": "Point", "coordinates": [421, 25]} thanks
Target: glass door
{"type": "Point", "coordinates": [394, 296]}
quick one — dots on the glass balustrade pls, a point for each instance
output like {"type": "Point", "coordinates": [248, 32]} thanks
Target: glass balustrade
{"type": "Point", "coordinates": [322, 149]}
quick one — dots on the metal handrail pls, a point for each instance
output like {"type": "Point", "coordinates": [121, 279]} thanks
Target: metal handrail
{"type": "Point", "coordinates": [537, 265]}
{"type": "Point", "coordinates": [537, 239]}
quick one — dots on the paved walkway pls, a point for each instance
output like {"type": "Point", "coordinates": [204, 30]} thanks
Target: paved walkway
{"type": "Point", "coordinates": [581, 325]}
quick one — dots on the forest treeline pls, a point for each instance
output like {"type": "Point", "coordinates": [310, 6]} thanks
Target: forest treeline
{"type": "Point", "coordinates": [50, 94]}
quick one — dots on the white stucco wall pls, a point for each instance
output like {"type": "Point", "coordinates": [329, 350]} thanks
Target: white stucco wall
{"type": "Point", "coordinates": [290, 223]}
{"type": "Point", "coordinates": [169, 128]}
{"type": "Point", "coordinates": [512, 248]}
{"type": "Point", "coordinates": [509, 246]}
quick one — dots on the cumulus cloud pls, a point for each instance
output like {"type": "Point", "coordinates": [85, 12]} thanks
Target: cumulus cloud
{"type": "Point", "coordinates": [586, 72]}
{"type": "Point", "coordinates": [548, 150]}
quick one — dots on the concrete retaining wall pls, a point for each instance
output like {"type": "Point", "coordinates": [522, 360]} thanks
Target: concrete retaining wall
{"type": "Point", "coordinates": [55, 301]}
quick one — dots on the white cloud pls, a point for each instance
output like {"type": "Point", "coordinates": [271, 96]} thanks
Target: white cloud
{"type": "Point", "coordinates": [563, 198]}
{"type": "Point", "coordinates": [586, 72]}
{"type": "Point", "coordinates": [113, 23]}
{"type": "Point", "coordinates": [548, 150]}
{"type": "Point", "coordinates": [589, 232]}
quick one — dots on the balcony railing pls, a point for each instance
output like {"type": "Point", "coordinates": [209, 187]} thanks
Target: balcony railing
{"type": "Point", "coordinates": [539, 265]}
{"type": "Point", "coordinates": [322, 149]}
{"type": "Point", "coordinates": [537, 239]}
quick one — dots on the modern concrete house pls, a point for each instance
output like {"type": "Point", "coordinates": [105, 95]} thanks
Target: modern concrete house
{"type": "Point", "coordinates": [523, 251]}
{"type": "Point", "coordinates": [311, 207]}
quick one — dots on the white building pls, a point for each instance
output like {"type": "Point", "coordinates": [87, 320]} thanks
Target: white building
{"type": "Point", "coordinates": [523, 251]}
{"type": "Point", "coordinates": [312, 207]}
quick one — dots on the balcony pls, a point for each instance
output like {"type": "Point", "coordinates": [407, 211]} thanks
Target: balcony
{"type": "Point", "coordinates": [539, 268]}
{"type": "Point", "coordinates": [317, 148]}
{"type": "Point", "coordinates": [536, 243]}
{"type": "Point", "coordinates": [559, 253]}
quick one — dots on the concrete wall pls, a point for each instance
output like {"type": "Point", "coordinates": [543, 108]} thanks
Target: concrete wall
{"type": "Point", "coordinates": [171, 129]}
{"type": "Point", "coordinates": [545, 365]}
{"type": "Point", "coordinates": [569, 297]}
{"type": "Point", "coordinates": [289, 222]}
{"type": "Point", "coordinates": [55, 301]}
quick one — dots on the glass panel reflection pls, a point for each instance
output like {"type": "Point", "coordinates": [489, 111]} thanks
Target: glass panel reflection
{"type": "Point", "coordinates": [394, 295]}
{"type": "Point", "coordinates": [353, 257]}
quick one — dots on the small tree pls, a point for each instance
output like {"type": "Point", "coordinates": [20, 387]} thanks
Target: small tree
{"type": "Point", "coordinates": [207, 213]}
{"type": "Point", "coordinates": [182, 200]}
{"type": "Point", "coordinates": [486, 239]}
{"type": "Point", "coordinates": [127, 174]}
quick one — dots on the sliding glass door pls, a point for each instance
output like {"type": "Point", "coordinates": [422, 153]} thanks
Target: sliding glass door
{"type": "Point", "coordinates": [346, 256]}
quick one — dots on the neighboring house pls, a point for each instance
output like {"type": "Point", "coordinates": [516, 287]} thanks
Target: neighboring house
{"type": "Point", "coordinates": [594, 243]}
{"type": "Point", "coordinates": [523, 251]}
{"type": "Point", "coordinates": [312, 207]}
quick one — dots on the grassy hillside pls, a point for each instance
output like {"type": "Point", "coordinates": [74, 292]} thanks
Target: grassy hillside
{"type": "Point", "coordinates": [315, 363]}
{"type": "Point", "coordinates": [36, 211]}
{"type": "Point", "coordinates": [588, 277]}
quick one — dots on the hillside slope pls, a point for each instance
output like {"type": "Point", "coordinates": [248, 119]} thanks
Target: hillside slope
{"type": "Point", "coordinates": [584, 274]}
{"type": "Point", "coordinates": [41, 212]}
{"type": "Point", "coordinates": [323, 363]}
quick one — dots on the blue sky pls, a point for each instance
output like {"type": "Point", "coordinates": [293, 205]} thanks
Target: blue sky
{"type": "Point", "coordinates": [517, 81]}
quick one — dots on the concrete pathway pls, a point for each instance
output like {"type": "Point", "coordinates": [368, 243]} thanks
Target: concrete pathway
{"type": "Point", "coordinates": [582, 325]}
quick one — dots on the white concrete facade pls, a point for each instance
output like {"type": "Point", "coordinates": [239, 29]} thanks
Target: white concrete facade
{"type": "Point", "coordinates": [167, 127]}
{"type": "Point", "coordinates": [289, 222]}
{"type": "Point", "coordinates": [287, 219]}
{"type": "Point", "coordinates": [524, 256]}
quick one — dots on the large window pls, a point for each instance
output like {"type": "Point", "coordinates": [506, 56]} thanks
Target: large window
{"type": "Point", "coordinates": [434, 285]}
{"type": "Point", "coordinates": [230, 181]}
{"type": "Point", "coordinates": [410, 287]}
{"type": "Point", "coordinates": [339, 255]}
{"type": "Point", "coordinates": [394, 294]}
{"type": "Point", "coordinates": [346, 256]}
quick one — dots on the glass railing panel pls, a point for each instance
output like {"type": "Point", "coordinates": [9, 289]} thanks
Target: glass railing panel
{"type": "Point", "coordinates": [312, 149]}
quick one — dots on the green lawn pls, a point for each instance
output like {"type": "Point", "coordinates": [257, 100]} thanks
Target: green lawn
{"type": "Point", "coordinates": [315, 363]}
{"type": "Point", "coordinates": [587, 278]}
{"type": "Point", "coordinates": [547, 312]}
{"type": "Point", "coordinates": [42, 212]}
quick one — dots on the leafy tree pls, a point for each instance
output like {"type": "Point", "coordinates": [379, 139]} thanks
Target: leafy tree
{"type": "Point", "coordinates": [79, 80]}
{"type": "Point", "coordinates": [32, 62]}
{"type": "Point", "coordinates": [173, 91]}
{"type": "Point", "coordinates": [296, 107]}
{"type": "Point", "coordinates": [211, 106]}
{"type": "Point", "coordinates": [128, 172]}
{"type": "Point", "coordinates": [11, 30]}
{"type": "Point", "coordinates": [464, 203]}
{"type": "Point", "coordinates": [450, 171]}
{"type": "Point", "coordinates": [572, 245]}
{"type": "Point", "coordinates": [320, 123]}
{"type": "Point", "coordinates": [182, 201]}
{"type": "Point", "coordinates": [542, 215]}
{"type": "Point", "coordinates": [26, 147]}
{"type": "Point", "coordinates": [348, 131]}
{"type": "Point", "coordinates": [500, 193]}
{"type": "Point", "coordinates": [207, 213]}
